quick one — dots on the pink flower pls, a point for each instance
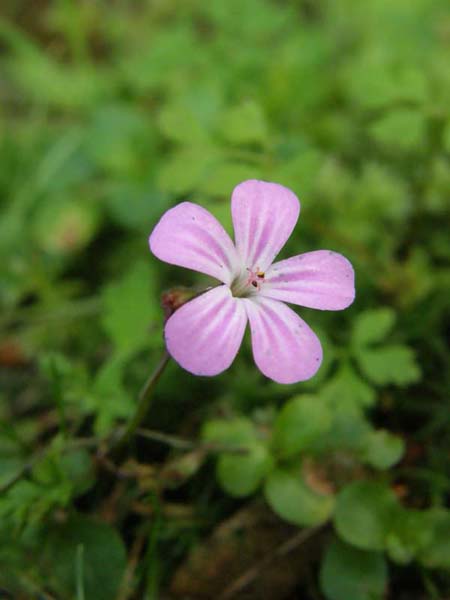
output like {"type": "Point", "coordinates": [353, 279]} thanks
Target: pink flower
{"type": "Point", "coordinates": [205, 334]}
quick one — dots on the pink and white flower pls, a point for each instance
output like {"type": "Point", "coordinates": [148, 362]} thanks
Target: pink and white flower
{"type": "Point", "coordinates": [205, 334]}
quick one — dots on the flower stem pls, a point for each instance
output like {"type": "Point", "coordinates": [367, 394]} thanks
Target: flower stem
{"type": "Point", "coordinates": [145, 397]}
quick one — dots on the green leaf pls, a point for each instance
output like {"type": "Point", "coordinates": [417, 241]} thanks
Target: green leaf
{"type": "Point", "coordinates": [436, 553]}
{"type": "Point", "coordinates": [241, 475]}
{"type": "Point", "coordinates": [118, 137]}
{"type": "Point", "coordinates": [401, 129]}
{"type": "Point", "coordinates": [363, 514]}
{"type": "Point", "coordinates": [136, 206]}
{"type": "Point", "coordinates": [446, 137]}
{"type": "Point", "coordinates": [244, 124]}
{"type": "Point", "coordinates": [27, 502]}
{"type": "Point", "coordinates": [383, 449]}
{"type": "Point", "coordinates": [389, 364]}
{"type": "Point", "coordinates": [411, 531]}
{"type": "Point", "coordinates": [129, 309]}
{"type": "Point", "coordinates": [181, 125]}
{"type": "Point", "coordinates": [109, 400]}
{"type": "Point", "coordinates": [238, 432]}
{"type": "Point", "coordinates": [11, 458]}
{"type": "Point", "coordinates": [375, 191]}
{"type": "Point", "coordinates": [438, 184]}
{"type": "Point", "coordinates": [292, 500]}
{"type": "Point", "coordinates": [372, 326]}
{"type": "Point", "coordinates": [71, 469]}
{"type": "Point", "coordinates": [299, 423]}
{"type": "Point", "coordinates": [224, 176]}
{"type": "Point", "coordinates": [46, 81]}
{"type": "Point", "coordinates": [64, 227]}
{"type": "Point", "coordinates": [185, 169]}
{"type": "Point", "coordinates": [351, 574]}
{"type": "Point", "coordinates": [374, 82]}
{"type": "Point", "coordinates": [78, 468]}
{"type": "Point", "coordinates": [69, 380]}
{"type": "Point", "coordinates": [347, 389]}
{"type": "Point", "coordinates": [300, 172]}
{"type": "Point", "coordinates": [348, 433]}
{"type": "Point", "coordinates": [104, 557]}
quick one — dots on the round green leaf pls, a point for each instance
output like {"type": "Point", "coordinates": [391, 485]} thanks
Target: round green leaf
{"type": "Point", "coordinates": [293, 501]}
{"type": "Point", "coordinates": [389, 364]}
{"type": "Point", "coordinates": [383, 449]}
{"type": "Point", "coordinates": [400, 129]}
{"type": "Point", "coordinates": [128, 309]}
{"type": "Point", "coordinates": [103, 557]}
{"type": "Point", "coordinates": [301, 421]}
{"type": "Point", "coordinates": [184, 169]}
{"type": "Point", "coordinates": [347, 389]}
{"type": "Point", "coordinates": [411, 531]}
{"type": "Point", "coordinates": [446, 137]}
{"type": "Point", "coordinates": [300, 171]}
{"type": "Point", "coordinates": [64, 227]}
{"type": "Point", "coordinates": [178, 123]}
{"type": "Point", "coordinates": [78, 468]}
{"type": "Point", "coordinates": [372, 326]}
{"type": "Point", "coordinates": [224, 176]}
{"type": "Point", "coordinates": [238, 431]}
{"type": "Point", "coordinates": [244, 124]}
{"type": "Point", "coordinates": [436, 553]}
{"type": "Point", "coordinates": [241, 474]}
{"type": "Point", "coordinates": [363, 514]}
{"type": "Point", "coordinates": [351, 574]}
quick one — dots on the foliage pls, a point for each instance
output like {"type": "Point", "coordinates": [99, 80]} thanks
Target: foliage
{"type": "Point", "coordinates": [110, 113]}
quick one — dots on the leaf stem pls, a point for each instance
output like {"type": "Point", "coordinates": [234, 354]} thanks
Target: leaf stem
{"type": "Point", "coordinates": [145, 397]}
{"type": "Point", "coordinates": [182, 444]}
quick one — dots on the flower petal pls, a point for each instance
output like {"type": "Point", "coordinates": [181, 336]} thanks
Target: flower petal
{"type": "Point", "coordinates": [320, 279]}
{"type": "Point", "coordinates": [264, 215]}
{"type": "Point", "coordinates": [205, 334]}
{"type": "Point", "coordinates": [189, 236]}
{"type": "Point", "coordinates": [285, 348]}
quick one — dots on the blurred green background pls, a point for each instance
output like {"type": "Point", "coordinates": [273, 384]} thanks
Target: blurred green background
{"type": "Point", "coordinates": [111, 111]}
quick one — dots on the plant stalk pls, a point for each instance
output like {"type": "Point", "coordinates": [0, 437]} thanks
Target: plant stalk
{"type": "Point", "coordinates": [145, 397]}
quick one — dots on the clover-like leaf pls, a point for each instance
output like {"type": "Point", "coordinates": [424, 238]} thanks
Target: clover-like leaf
{"type": "Point", "coordinates": [240, 474]}
{"type": "Point", "coordinates": [401, 129]}
{"type": "Point", "coordinates": [64, 227]}
{"type": "Point", "coordinates": [389, 364]}
{"type": "Point", "coordinates": [181, 125]}
{"type": "Point", "coordinates": [372, 326]}
{"type": "Point", "coordinates": [436, 552]}
{"type": "Point", "coordinates": [235, 432]}
{"type": "Point", "coordinates": [129, 309]}
{"type": "Point", "coordinates": [224, 176]}
{"type": "Point", "coordinates": [292, 500]}
{"type": "Point", "coordinates": [299, 423]}
{"type": "Point", "coordinates": [363, 514]}
{"type": "Point", "coordinates": [244, 124]}
{"type": "Point", "coordinates": [351, 574]}
{"type": "Point", "coordinates": [383, 449]}
{"type": "Point", "coordinates": [103, 557]}
{"type": "Point", "coordinates": [186, 168]}
{"type": "Point", "coordinates": [411, 532]}
{"type": "Point", "coordinates": [244, 458]}
{"type": "Point", "coordinates": [346, 388]}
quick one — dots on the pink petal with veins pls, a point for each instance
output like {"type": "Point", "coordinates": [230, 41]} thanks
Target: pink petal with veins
{"type": "Point", "coordinates": [189, 236]}
{"type": "Point", "coordinates": [205, 334]}
{"type": "Point", "coordinates": [284, 347]}
{"type": "Point", "coordinates": [320, 279]}
{"type": "Point", "coordinates": [264, 215]}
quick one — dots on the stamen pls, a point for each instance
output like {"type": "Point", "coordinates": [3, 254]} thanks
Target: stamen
{"type": "Point", "coordinates": [246, 286]}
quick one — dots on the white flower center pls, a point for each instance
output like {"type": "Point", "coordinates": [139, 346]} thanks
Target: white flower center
{"type": "Point", "coordinates": [248, 283]}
